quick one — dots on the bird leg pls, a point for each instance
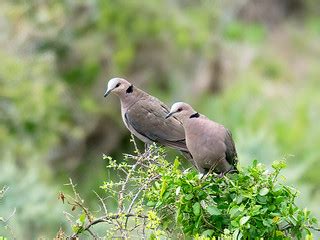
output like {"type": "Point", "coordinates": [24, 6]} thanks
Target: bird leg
{"type": "Point", "coordinates": [202, 176]}
{"type": "Point", "coordinates": [146, 147]}
{"type": "Point", "coordinates": [221, 175]}
{"type": "Point", "coordinates": [146, 150]}
{"type": "Point", "coordinates": [233, 171]}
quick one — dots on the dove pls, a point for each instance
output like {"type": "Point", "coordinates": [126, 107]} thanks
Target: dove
{"type": "Point", "coordinates": [144, 116]}
{"type": "Point", "coordinates": [210, 143]}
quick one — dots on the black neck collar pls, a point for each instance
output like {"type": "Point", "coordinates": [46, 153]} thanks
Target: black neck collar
{"type": "Point", "coordinates": [195, 115]}
{"type": "Point", "coordinates": [129, 89]}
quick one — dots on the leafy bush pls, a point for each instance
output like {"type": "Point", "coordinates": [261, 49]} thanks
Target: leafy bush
{"type": "Point", "coordinates": [251, 204]}
{"type": "Point", "coordinates": [157, 198]}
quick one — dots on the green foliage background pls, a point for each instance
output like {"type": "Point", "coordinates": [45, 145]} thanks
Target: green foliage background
{"type": "Point", "coordinates": [56, 58]}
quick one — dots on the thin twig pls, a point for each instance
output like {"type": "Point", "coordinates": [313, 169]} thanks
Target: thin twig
{"type": "Point", "coordinates": [313, 228]}
{"type": "Point", "coordinates": [144, 236]}
{"type": "Point", "coordinates": [137, 195]}
{"type": "Point", "coordinates": [135, 144]}
{"type": "Point", "coordinates": [124, 185]}
{"type": "Point", "coordinates": [8, 218]}
{"type": "Point", "coordinates": [3, 191]}
{"type": "Point", "coordinates": [68, 215]}
{"type": "Point", "coordinates": [102, 202]}
{"type": "Point", "coordinates": [108, 219]}
{"type": "Point", "coordinates": [78, 201]}
{"type": "Point", "coordinates": [92, 234]}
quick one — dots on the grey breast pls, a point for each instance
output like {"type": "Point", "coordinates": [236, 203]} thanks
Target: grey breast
{"type": "Point", "coordinates": [210, 144]}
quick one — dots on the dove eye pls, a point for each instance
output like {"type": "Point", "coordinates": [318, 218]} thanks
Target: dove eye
{"type": "Point", "coordinates": [179, 110]}
{"type": "Point", "coordinates": [118, 84]}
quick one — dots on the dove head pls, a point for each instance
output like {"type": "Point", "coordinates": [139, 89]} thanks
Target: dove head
{"type": "Point", "coordinates": [181, 111]}
{"type": "Point", "coordinates": [118, 86]}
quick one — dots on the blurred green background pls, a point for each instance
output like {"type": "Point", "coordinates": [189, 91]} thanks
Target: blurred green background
{"type": "Point", "coordinates": [252, 65]}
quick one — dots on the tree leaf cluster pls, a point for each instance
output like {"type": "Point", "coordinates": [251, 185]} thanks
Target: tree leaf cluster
{"type": "Point", "coordinates": [159, 199]}
{"type": "Point", "coordinates": [252, 204]}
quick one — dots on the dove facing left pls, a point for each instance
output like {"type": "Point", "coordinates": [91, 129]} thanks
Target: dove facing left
{"type": "Point", "coordinates": [144, 116]}
{"type": "Point", "coordinates": [210, 143]}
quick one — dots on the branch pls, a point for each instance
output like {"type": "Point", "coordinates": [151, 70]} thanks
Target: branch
{"type": "Point", "coordinates": [135, 144]}
{"type": "Point", "coordinates": [124, 186]}
{"type": "Point", "coordinates": [102, 202]}
{"type": "Point", "coordinates": [137, 195]}
{"type": "Point", "coordinates": [77, 201]}
{"type": "Point", "coordinates": [108, 219]}
{"type": "Point", "coordinates": [8, 218]}
{"type": "Point", "coordinates": [313, 228]}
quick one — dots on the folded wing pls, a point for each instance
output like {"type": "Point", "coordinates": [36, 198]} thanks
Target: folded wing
{"type": "Point", "coordinates": [147, 117]}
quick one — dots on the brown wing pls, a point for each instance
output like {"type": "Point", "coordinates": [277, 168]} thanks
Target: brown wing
{"type": "Point", "coordinates": [147, 117]}
{"type": "Point", "coordinates": [231, 152]}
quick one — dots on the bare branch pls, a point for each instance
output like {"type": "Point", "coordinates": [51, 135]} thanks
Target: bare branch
{"type": "Point", "coordinates": [124, 185]}
{"type": "Point", "coordinates": [8, 218]}
{"type": "Point", "coordinates": [102, 202]}
{"type": "Point", "coordinates": [137, 195]}
{"type": "Point", "coordinates": [313, 228]}
{"type": "Point", "coordinates": [78, 201]}
{"type": "Point", "coordinates": [135, 144]}
{"type": "Point", "coordinates": [68, 217]}
{"type": "Point", "coordinates": [108, 219]}
{"type": "Point", "coordinates": [3, 191]}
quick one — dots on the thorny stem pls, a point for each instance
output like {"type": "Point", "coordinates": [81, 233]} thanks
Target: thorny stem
{"type": "Point", "coordinates": [137, 195]}
{"type": "Point", "coordinates": [135, 144]}
{"type": "Point", "coordinates": [140, 159]}
{"type": "Point", "coordinates": [124, 186]}
{"type": "Point", "coordinates": [144, 236]}
{"type": "Point", "coordinates": [313, 228]}
{"type": "Point", "coordinates": [6, 221]}
{"type": "Point", "coordinates": [78, 201]}
{"type": "Point", "coordinates": [117, 219]}
{"type": "Point", "coordinates": [108, 219]}
{"type": "Point", "coordinates": [102, 202]}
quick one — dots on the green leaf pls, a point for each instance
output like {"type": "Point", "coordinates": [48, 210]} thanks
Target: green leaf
{"type": "Point", "coordinates": [244, 220]}
{"type": "Point", "coordinates": [309, 237]}
{"type": "Point", "coordinates": [163, 188]}
{"type": "Point", "coordinates": [212, 210]}
{"type": "Point", "coordinates": [239, 199]}
{"type": "Point", "coordinates": [314, 220]}
{"type": "Point", "coordinates": [196, 208]}
{"type": "Point", "coordinates": [261, 199]}
{"type": "Point", "coordinates": [263, 191]}
{"type": "Point", "coordinates": [189, 196]}
{"type": "Point", "coordinates": [151, 203]}
{"type": "Point", "coordinates": [176, 164]}
{"type": "Point", "coordinates": [77, 229]}
{"type": "Point", "coordinates": [255, 163]}
{"type": "Point", "coordinates": [197, 225]}
{"type": "Point", "coordinates": [237, 235]}
{"type": "Point", "coordinates": [208, 233]}
{"type": "Point", "coordinates": [235, 223]}
{"type": "Point", "coordinates": [82, 218]}
{"type": "Point", "coordinates": [234, 211]}
{"type": "Point", "coordinates": [293, 220]}
{"type": "Point", "coordinates": [278, 165]}
{"type": "Point", "coordinates": [153, 236]}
